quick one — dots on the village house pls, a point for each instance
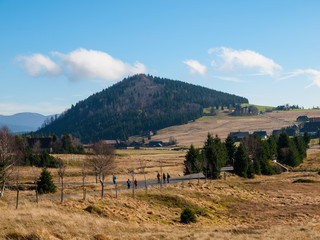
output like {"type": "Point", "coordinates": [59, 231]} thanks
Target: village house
{"type": "Point", "coordinates": [238, 136]}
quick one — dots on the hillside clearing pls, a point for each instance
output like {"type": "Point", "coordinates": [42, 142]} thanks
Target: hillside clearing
{"type": "Point", "coordinates": [196, 132]}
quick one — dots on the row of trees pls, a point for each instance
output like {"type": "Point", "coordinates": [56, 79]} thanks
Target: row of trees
{"type": "Point", "coordinates": [252, 156]}
{"type": "Point", "coordinates": [34, 155]}
{"type": "Point", "coordinates": [101, 163]}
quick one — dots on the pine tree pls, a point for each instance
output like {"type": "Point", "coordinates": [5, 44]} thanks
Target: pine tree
{"type": "Point", "coordinates": [192, 157]}
{"type": "Point", "coordinates": [231, 148]}
{"type": "Point", "coordinates": [307, 139]}
{"type": "Point", "coordinates": [216, 156]}
{"type": "Point", "coordinates": [45, 183]}
{"type": "Point", "coordinates": [241, 162]}
{"type": "Point", "coordinates": [272, 146]}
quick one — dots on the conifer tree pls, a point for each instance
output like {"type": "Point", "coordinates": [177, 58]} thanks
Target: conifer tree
{"type": "Point", "coordinates": [216, 156]}
{"type": "Point", "coordinates": [45, 183]}
{"type": "Point", "coordinates": [231, 148]}
{"type": "Point", "coordinates": [193, 156]}
{"type": "Point", "coordinates": [241, 162]}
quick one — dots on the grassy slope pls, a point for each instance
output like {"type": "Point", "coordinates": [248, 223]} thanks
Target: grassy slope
{"type": "Point", "coordinates": [233, 209]}
{"type": "Point", "coordinates": [260, 108]}
{"type": "Point", "coordinates": [196, 132]}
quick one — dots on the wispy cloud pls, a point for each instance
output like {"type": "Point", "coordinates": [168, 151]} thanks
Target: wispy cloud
{"type": "Point", "coordinates": [80, 64]}
{"type": "Point", "coordinates": [195, 67]}
{"type": "Point", "coordinates": [312, 74]}
{"type": "Point", "coordinates": [39, 65]}
{"type": "Point", "coordinates": [231, 79]}
{"type": "Point", "coordinates": [239, 60]}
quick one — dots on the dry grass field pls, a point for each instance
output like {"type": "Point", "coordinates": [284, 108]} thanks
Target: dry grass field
{"type": "Point", "coordinates": [196, 132]}
{"type": "Point", "coordinates": [266, 207]}
{"type": "Point", "coordinates": [292, 115]}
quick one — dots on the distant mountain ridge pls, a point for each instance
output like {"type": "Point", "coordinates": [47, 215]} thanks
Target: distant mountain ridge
{"type": "Point", "coordinates": [135, 105]}
{"type": "Point", "coordinates": [23, 122]}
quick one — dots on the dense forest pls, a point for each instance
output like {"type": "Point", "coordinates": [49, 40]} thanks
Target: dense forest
{"type": "Point", "coordinates": [135, 105]}
{"type": "Point", "coordinates": [252, 156]}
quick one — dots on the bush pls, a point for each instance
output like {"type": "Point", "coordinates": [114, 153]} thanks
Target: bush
{"type": "Point", "coordinates": [302, 180]}
{"type": "Point", "coordinates": [188, 216]}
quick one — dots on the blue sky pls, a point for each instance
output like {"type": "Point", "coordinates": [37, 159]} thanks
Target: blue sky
{"type": "Point", "coordinates": [56, 53]}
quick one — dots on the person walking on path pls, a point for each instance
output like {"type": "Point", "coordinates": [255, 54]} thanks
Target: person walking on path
{"type": "Point", "coordinates": [164, 177]}
{"type": "Point", "coordinates": [158, 176]}
{"type": "Point", "coordinates": [168, 177]}
{"type": "Point", "coordinates": [114, 178]}
{"type": "Point", "coordinates": [128, 183]}
{"type": "Point", "coordinates": [136, 183]}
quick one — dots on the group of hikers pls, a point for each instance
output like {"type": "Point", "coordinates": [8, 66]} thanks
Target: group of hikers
{"type": "Point", "coordinates": [165, 177]}
{"type": "Point", "coordinates": [135, 183]}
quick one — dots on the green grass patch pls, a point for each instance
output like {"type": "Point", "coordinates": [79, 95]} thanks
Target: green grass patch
{"type": "Point", "coordinates": [303, 180]}
{"type": "Point", "coordinates": [173, 201]}
{"type": "Point", "coordinates": [227, 200]}
{"type": "Point", "coordinates": [259, 107]}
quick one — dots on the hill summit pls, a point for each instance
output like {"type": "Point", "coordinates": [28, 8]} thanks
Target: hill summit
{"type": "Point", "coordinates": [137, 104]}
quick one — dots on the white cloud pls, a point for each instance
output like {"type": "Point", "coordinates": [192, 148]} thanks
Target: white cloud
{"type": "Point", "coordinates": [80, 64]}
{"type": "Point", "coordinates": [39, 65]}
{"type": "Point", "coordinates": [83, 63]}
{"type": "Point", "coordinates": [231, 79]}
{"type": "Point", "coordinates": [235, 60]}
{"type": "Point", "coordinates": [196, 67]}
{"type": "Point", "coordinates": [313, 75]}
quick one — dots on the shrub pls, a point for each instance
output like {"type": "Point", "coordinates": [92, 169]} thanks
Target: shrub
{"type": "Point", "coordinates": [302, 180]}
{"type": "Point", "coordinates": [188, 216]}
{"type": "Point", "coordinates": [100, 237]}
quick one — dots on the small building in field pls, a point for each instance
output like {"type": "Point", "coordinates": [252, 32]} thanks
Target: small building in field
{"type": "Point", "coordinates": [262, 134]}
{"type": "Point", "coordinates": [41, 143]}
{"type": "Point", "coordinates": [314, 119]}
{"type": "Point", "coordinates": [312, 128]}
{"type": "Point", "coordinates": [155, 144]}
{"type": "Point", "coordinates": [302, 119]}
{"type": "Point", "coordinates": [117, 144]}
{"type": "Point", "coordinates": [135, 144]}
{"type": "Point", "coordinates": [238, 136]}
{"type": "Point", "coordinates": [277, 132]}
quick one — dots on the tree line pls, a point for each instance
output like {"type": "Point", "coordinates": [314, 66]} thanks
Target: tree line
{"type": "Point", "coordinates": [252, 156]}
{"type": "Point", "coordinates": [13, 155]}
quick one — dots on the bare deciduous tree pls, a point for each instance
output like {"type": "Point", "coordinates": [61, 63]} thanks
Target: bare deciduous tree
{"type": "Point", "coordinates": [61, 173]}
{"type": "Point", "coordinates": [143, 165]}
{"type": "Point", "coordinates": [198, 164]}
{"type": "Point", "coordinates": [84, 175]}
{"type": "Point", "coordinates": [36, 147]}
{"type": "Point", "coordinates": [8, 156]}
{"type": "Point", "coordinates": [103, 161]}
{"type": "Point", "coordinates": [35, 175]}
{"type": "Point", "coordinates": [16, 181]}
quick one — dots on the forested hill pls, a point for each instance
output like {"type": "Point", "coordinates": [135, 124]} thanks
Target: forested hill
{"type": "Point", "coordinates": [137, 104]}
